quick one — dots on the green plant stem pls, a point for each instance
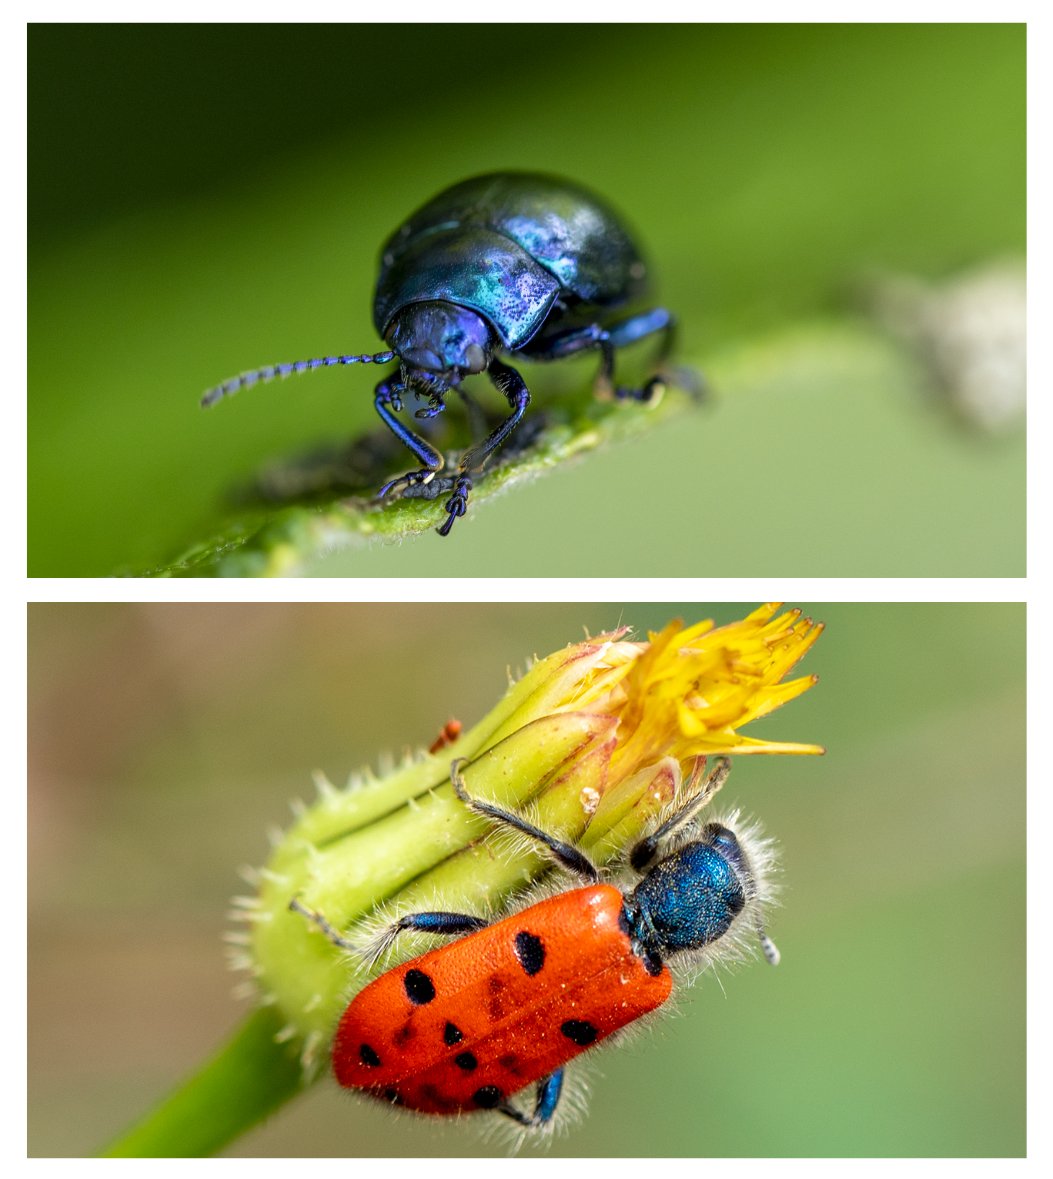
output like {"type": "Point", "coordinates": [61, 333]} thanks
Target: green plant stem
{"type": "Point", "coordinates": [249, 1078]}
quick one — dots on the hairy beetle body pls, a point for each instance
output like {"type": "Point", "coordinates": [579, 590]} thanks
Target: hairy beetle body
{"type": "Point", "coordinates": [508, 1004]}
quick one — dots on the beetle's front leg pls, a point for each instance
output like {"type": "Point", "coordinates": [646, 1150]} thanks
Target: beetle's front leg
{"type": "Point", "coordinates": [387, 398]}
{"type": "Point", "coordinates": [514, 388]}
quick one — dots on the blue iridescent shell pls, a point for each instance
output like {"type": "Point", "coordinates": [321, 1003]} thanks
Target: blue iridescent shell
{"type": "Point", "coordinates": [508, 245]}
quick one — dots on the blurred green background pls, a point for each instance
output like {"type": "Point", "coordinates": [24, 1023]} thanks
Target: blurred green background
{"type": "Point", "coordinates": [165, 739]}
{"type": "Point", "coordinates": [207, 199]}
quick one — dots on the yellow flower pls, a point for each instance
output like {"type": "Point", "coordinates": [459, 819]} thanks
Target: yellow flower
{"type": "Point", "coordinates": [595, 738]}
{"type": "Point", "coordinates": [687, 692]}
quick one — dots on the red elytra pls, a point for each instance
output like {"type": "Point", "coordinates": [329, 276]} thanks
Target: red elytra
{"type": "Point", "coordinates": [475, 1021]}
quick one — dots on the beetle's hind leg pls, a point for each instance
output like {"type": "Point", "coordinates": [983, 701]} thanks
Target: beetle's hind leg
{"type": "Point", "coordinates": [387, 399]}
{"type": "Point", "coordinates": [548, 1093]}
{"type": "Point", "coordinates": [637, 327]}
{"type": "Point", "coordinates": [620, 335]}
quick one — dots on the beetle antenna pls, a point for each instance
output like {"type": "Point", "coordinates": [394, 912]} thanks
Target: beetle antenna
{"type": "Point", "coordinates": [768, 947]}
{"type": "Point", "coordinates": [271, 371]}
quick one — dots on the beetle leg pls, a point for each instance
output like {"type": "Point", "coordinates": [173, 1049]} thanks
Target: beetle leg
{"type": "Point", "coordinates": [567, 343]}
{"type": "Point", "coordinates": [297, 906]}
{"type": "Point", "coordinates": [512, 385]}
{"type": "Point", "coordinates": [621, 335]}
{"type": "Point", "coordinates": [563, 853]}
{"type": "Point", "coordinates": [444, 924]}
{"type": "Point", "coordinates": [387, 399]}
{"type": "Point", "coordinates": [645, 850]}
{"type": "Point", "coordinates": [456, 505]}
{"type": "Point", "coordinates": [637, 327]}
{"type": "Point", "coordinates": [548, 1092]}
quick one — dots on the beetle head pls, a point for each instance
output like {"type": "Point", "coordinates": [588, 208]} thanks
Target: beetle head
{"type": "Point", "coordinates": [441, 343]}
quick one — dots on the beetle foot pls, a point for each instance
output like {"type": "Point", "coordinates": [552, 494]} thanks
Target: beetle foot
{"type": "Point", "coordinates": [413, 479]}
{"type": "Point", "coordinates": [457, 504]}
{"type": "Point", "coordinates": [435, 406]}
{"type": "Point", "coordinates": [650, 394]}
{"type": "Point", "coordinates": [680, 376]}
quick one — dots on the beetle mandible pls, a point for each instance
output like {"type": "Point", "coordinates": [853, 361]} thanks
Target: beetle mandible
{"type": "Point", "coordinates": [509, 262]}
{"type": "Point", "coordinates": [467, 1026]}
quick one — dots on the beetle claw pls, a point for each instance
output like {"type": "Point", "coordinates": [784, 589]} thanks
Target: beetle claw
{"type": "Point", "coordinates": [413, 479]}
{"type": "Point", "coordinates": [456, 505]}
{"type": "Point", "coordinates": [435, 406]}
{"type": "Point", "coordinates": [650, 394]}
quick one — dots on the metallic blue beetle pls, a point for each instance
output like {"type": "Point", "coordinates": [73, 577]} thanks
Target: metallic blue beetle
{"type": "Point", "coordinates": [512, 262]}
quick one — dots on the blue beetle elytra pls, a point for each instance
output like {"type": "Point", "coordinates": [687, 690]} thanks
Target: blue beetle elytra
{"type": "Point", "coordinates": [510, 262]}
{"type": "Point", "coordinates": [509, 1004]}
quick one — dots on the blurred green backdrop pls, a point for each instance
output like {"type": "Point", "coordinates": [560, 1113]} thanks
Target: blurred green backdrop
{"type": "Point", "coordinates": [207, 199]}
{"type": "Point", "coordinates": [165, 739]}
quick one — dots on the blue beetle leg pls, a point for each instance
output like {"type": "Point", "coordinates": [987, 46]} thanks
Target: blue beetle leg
{"type": "Point", "coordinates": [646, 849]}
{"type": "Point", "coordinates": [512, 385]}
{"type": "Point", "coordinates": [638, 327]}
{"type": "Point", "coordinates": [446, 924]}
{"type": "Point", "coordinates": [567, 343]}
{"type": "Point", "coordinates": [387, 400]}
{"type": "Point", "coordinates": [443, 924]}
{"type": "Point", "coordinates": [548, 1092]}
{"type": "Point", "coordinates": [645, 324]}
{"type": "Point", "coordinates": [456, 505]}
{"type": "Point", "coordinates": [566, 854]}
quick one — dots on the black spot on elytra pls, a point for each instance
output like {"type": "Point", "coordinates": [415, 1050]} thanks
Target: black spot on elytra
{"type": "Point", "coordinates": [467, 1061]}
{"type": "Point", "coordinates": [368, 1056]}
{"type": "Point", "coordinates": [452, 1035]}
{"type": "Point", "coordinates": [487, 1097]}
{"type": "Point", "coordinates": [419, 988]}
{"type": "Point", "coordinates": [392, 1096]}
{"type": "Point", "coordinates": [579, 1031]}
{"type": "Point", "coordinates": [529, 951]}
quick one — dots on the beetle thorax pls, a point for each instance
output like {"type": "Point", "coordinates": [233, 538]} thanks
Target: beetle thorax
{"type": "Point", "coordinates": [441, 339]}
{"type": "Point", "coordinates": [692, 897]}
